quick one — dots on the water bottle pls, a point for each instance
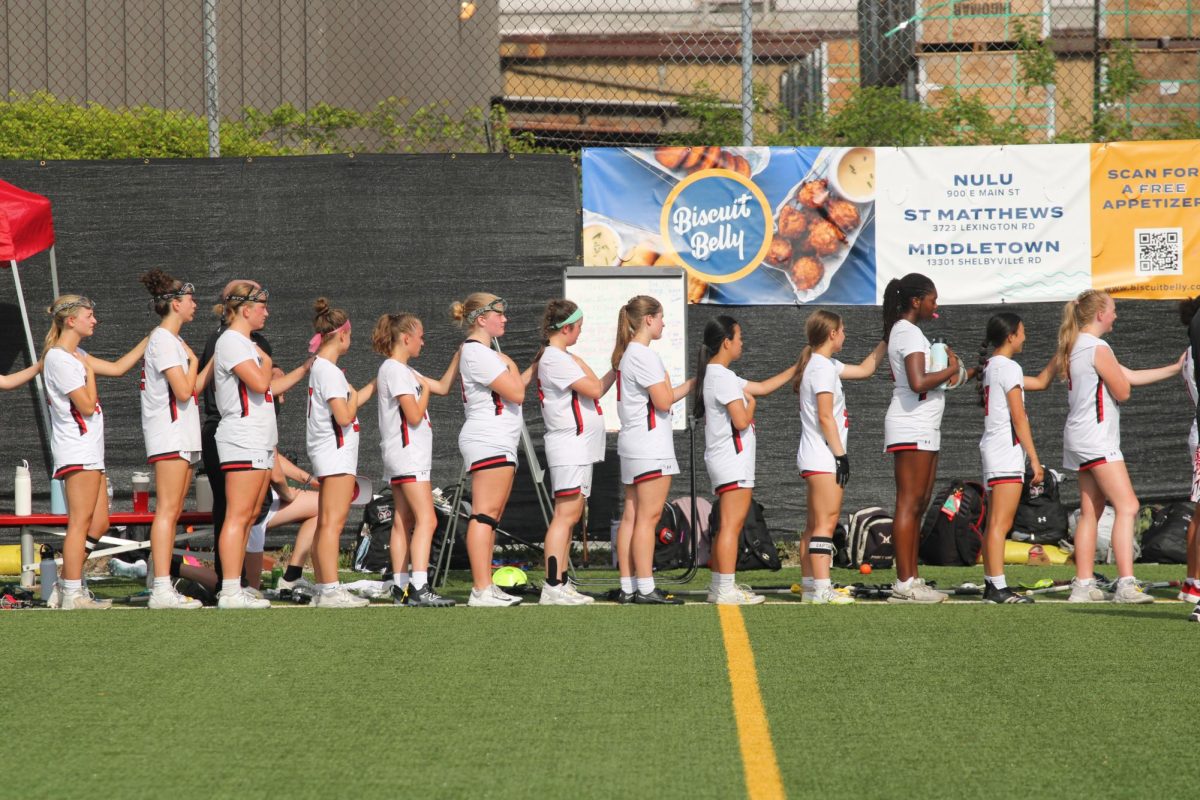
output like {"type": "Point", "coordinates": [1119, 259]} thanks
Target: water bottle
{"type": "Point", "coordinates": [141, 493]}
{"type": "Point", "coordinates": [58, 497]}
{"type": "Point", "coordinates": [22, 491]}
{"type": "Point", "coordinates": [204, 497]}
{"type": "Point", "coordinates": [939, 359]}
{"type": "Point", "coordinates": [49, 572]}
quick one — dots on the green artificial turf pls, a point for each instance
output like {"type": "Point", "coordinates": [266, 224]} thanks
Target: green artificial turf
{"type": "Point", "coordinates": [961, 700]}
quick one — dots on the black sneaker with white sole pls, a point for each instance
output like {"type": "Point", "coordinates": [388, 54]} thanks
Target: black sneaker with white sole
{"type": "Point", "coordinates": [624, 598]}
{"type": "Point", "coordinates": [1002, 596]}
{"type": "Point", "coordinates": [657, 598]}
{"type": "Point", "coordinates": [426, 598]}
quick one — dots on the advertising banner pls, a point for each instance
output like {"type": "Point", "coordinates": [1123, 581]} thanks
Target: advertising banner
{"type": "Point", "coordinates": [832, 225]}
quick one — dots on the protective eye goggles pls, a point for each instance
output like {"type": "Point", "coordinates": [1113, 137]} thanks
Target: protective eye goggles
{"type": "Point", "coordinates": [257, 296]}
{"type": "Point", "coordinates": [67, 305]}
{"type": "Point", "coordinates": [187, 288]}
{"type": "Point", "coordinates": [498, 305]}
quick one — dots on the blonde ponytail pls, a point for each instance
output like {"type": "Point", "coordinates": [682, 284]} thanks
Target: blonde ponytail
{"type": "Point", "coordinates": [1076, 314]}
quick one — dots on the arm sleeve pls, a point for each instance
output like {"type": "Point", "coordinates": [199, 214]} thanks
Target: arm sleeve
{"type": "Point", "coordinates": [726, 387]}
{"type": "Point", "coordinates": [66, 374]}
{"type": "Point", "coordinates": [235, 351]}
{"type": "Point", "coordinates": [481, 367]}
{"type": "Point", "coordinates": [406, 383]}
{"type": "Point", "coordinates": [647, 369]}
{"type": "Point", "coordinates": [909, 340]}
{"type": "Point", "coordinates": [164, 353]}
{"type": "Point", "coordinates": [1011, 377]}
{"type": "Point", "coordinates": [824, 377]}
{"type": "Point", "coordinates": [562, 372]}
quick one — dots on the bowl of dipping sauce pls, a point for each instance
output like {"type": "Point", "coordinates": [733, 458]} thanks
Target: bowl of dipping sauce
{"type": "Point", "coordinates": [853, 174]}
{"type": "Point", "coordinates": [601, 245]}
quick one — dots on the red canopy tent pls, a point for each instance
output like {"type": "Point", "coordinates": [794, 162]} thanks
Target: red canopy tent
{"type": "Point", "coordinates": [26, 229]}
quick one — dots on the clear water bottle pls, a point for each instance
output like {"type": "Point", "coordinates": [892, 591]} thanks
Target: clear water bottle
{"type": "Point", "coordinates": [939, 359]}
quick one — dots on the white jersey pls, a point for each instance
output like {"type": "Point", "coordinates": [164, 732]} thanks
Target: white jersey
{"type": "Point", "coordinates": [406, 448]}
{"type": "Point", "coordinates": [1000, 447]}
{"type": "Point", "coordinates": [490, 418]}
{"type": "Point", "coordinates": [822, 375]}
{"type": "Point", "coordinates": [1093, 429]}
{"type": "Point", "coordinates": [645, 431]}
{"type": "Point", "coordinates": [574, 425]}
{"type": "Point", "coordinates": [75, 440]}
{"type": "Point", "coordinates": [728, 450]}
{"type": "Point", "coordinates": [911, 414]}
{"type": "Point", "coordinates": [169, 426]}
{"type": "Point", "coordinates": [332, 448]}
{"type": "Point", "coordinates": [1189, 382]}
{"type": "Point", "coordinates": [247, 417]}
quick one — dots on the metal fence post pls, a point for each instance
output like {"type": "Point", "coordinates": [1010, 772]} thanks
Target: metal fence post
{"type": "Point", "coordinates": [747, 74]}
{"type": "Point", "coordinates": [212, 104]}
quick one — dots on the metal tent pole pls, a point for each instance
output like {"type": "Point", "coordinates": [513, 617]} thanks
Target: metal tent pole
{"type": "Point", "coordinates": [41, 388]}
{"type": "Point", "coordinates": [53, 272]}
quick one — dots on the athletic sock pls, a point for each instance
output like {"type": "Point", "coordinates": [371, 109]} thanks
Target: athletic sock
{"type": "Point", "coordinates": [997, 581]}
{"type": "Point", "coordinates": [645, 585]}
{"type": "Point", "coordinates": [419, 579]}
{"type": "Point", "coordinates": [162, 585]}
{"type": "Point", "coordinates": [905, 585]}
{"type": "Point", "coordinates": [725, 580]}
{"type": "Point", "coordinates": [627, 584]}
{"type": "Point", "coordinates": [822, 583]}
{"type": "Point", "coordinates": [327, 588]}
{"type": "Point", "coordinates": [1126, 580]}
{"type": "Point", "coordinates": [806, 584]}
{"type": "Point", "coordinates": [72, 586]}
{"type": "Point", "coordinates": [231, 587]}
{"type": "Point", "coordinates": [90, 544]}
{"type": "Point", "coordinates": [1086, 581]}
{"type": "Point", "coordinates": [1192, 582]}
{"type": "Point", "coordinates": [293, 573]}
{"type": "Point", "coordinates": [400, 579]}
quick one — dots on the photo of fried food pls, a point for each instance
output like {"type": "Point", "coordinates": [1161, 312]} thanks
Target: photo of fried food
{"type": "Point", "coordinates": [670, 157]}
{"type": "Point", "coordinates": [643, 254]}
{"type": "Point", "coordinates": [792, 223]}
{"type": "Point", "coordinates": [695, 288]}
{"type": "Point", "coordinates": [824, 238]}
{"type": "Point", "coordinates": [807, 272]}
{"type": "Point", "coordinates": [780, 251]}
{"type": "Point", "coordinates": [844, 214]}
{"type": "Point", "coordinates": [694, 159]}
{"type": "Point", "coordinates": [735, 163]}
{"type": "Point", "coordinates": [813, 194]}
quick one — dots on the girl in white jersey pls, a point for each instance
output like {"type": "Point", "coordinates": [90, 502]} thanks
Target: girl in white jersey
{"type": "Point", "coordinates": [727, 402]}
{"type": "Point", "coordinates": [246, 436]}
{"type": "Point", "coordinates": [1096, 383]}
{"type": "Point", "coordinates": [492, 391]}
{"type": "Point", "coordinates": [1007, 440]}
{"type": "Point", "coordinates": [406, 441]}
{"type": "Point", "coordinates": [912, 428]}
{"type": "Point", "coordinates": [822, 457]}
{"type": "Point", "coordinates": [332, 439]}
{"type": "Point", "coordinates": [77, 437]}
{"type": "Point", "coordinates": [170, 423]}
{"type": "Point", "coordinates": [569, 393]}
{"type": "Point", "coordinates": [645, 445]}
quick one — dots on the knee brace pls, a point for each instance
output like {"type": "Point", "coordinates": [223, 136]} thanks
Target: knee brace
{"type": "Point", "coordinates": [484, 519]}
{"type": "Point", "coordinates": [821, 546]}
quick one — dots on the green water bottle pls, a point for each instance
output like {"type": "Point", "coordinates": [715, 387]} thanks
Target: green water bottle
{"type": "Point", "coordinates": [276, 574]}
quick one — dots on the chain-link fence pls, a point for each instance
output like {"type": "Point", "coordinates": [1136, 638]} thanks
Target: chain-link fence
{"type": "Point", "coordinates": [431, 75]}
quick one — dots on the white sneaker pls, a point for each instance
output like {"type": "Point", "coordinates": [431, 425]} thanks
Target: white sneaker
{"type": "Point", "coordinates": [579, 597]}
{"type": "Point", "coordinates": [241, 599]}
{"type": "Point", "coordinates": [1087, 593]}
{"type": "Point", "coordinates": [1128, 591]}
{"type": "Point", "coordinates": [173, 599]}
{"type": "Point", "coordinates": [492, 597]}
{"type": "Point", "coordinates": [829, 597]}
{"type": "Point", "coordinates": [918, 592]}
{"type": "Point", "coordinates": [121, 569]}
{"type": "Point", "coordinates": [556, 596]}
{"type": "Point", "coordinates": [81, 600]}
{"type": "Point", "coordinates": [735, 596]}
{"type": "Point", "coordinates": [339, 598]}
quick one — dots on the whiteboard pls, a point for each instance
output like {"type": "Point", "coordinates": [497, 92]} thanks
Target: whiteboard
{"type": "Point", "coordinates": [600, 292]}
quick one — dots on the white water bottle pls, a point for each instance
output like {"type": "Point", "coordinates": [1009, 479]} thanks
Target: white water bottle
{"type": "Point", "coordinates": [939, 359]}
{"type": "Point", "coordinates": [22, 491]}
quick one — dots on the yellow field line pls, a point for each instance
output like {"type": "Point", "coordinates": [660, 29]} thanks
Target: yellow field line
{"type": "Point", "coordinates": [763, 781]}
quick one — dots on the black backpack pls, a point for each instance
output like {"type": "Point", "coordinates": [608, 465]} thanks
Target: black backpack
{"type": "Point", "coordinates": [1165, 542]}
{"type": "Point", "coordinates": [756, 548]}
{"type": "Point", "coordinates": [952, 534]}
{"type": "Point", "coordinates": [1041, 517]}
{"type": "Point", "coordinates": [866, 538]}
{"type": "Point", "coordinates": [672, 539]}
{"type": "Point", "coordinates": [372, 551]}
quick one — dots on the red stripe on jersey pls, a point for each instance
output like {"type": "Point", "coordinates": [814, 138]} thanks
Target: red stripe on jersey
{"type": "Point", "coordinates": [498, 403]}
{"type": "Point", "coordinates": [923, 395]}
{"type": "Point", "coordinates": [79, 421]}
{"type": "Point", "coordinates": [404, 441]}
{"type": "Point", "coordinates": [618, 386]}
{"type": "Point", "coordinates": [462, 386]}
{"type": "Point", "coordinates": [339, 438]}
{"type": "Point", "coordinates": [577, 412]}
{"type": "Point", "coordinates": [650, 420]}
{"type": "Point", "coordinates": [987, 395]}
{"type": "Point", "coordinates": [142, 378]}
{"type": "Point", "coordinates": [541, 394]}
{"type": "Point", "coordinates": [172, 406]}
{"type": "Point", "coordinates": [244, 397]}
{"type": "Point", "coordinates": [1013, 430]}
{"type": "Point", "coordinates": [726, 487]}
{"type": "Point", "coordinates": [647, 476]}
{"type": "Point", "coordinates": [598, 411]}
{"type": "Point", "coordinates": [737, 437]}
{"type": "Point", "coordinates": [1099, 400]}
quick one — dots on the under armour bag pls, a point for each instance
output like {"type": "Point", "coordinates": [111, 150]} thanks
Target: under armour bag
{"type": "Point", "coordinates": [671, 539]}
{"type": "Point", "coordinates": [952, 534]}
{"type": "Point", "coordinates": [372, 551]}
{"type": "Point", "coordinates": [1041, 517]}
{"type": "Point", "coordinates": [756, 548]}
{"type": "Point", "coordinates": [702, 532]}
{"type": "Point", "coordinates": [1165, 542]}
{"type": "Point", "coordinates": [866, 538]}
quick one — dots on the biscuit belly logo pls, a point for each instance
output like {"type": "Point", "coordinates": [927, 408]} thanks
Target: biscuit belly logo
{"type": "Point", "coordinates": [718, 224]}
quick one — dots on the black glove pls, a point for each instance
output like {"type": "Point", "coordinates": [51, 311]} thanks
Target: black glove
{"type": "Point", "coordinates": [843, 469]}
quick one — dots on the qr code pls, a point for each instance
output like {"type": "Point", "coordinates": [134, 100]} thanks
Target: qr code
{"type": "Point", "coordinates": [1158, 251]}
